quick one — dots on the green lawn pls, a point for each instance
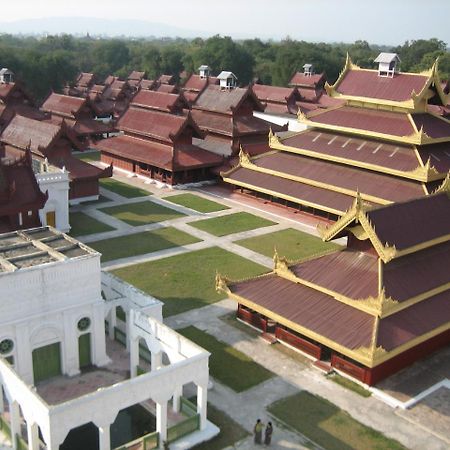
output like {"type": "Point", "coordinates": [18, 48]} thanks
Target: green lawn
{"type": "Point", "coordinates": [291, 244]}
{"type": "Point", "coordinates": [196, 203]}
{"type": "Point", "coordinates": [327, 425]}
{"type": "Point", "coordinates": [88, 156]}
{"type": "Point", "coordinates": [226, 364]}
{"type": "Point", "coordinates": [82, 224]}
{"type": "Point", "coordinates": [142, 213]}
{"type": "Point", "coordinates": [349, 384]}
{"type": "Point", "coordinates": [141, 243]}
{"type": "Point", "coordinates": [123, 189]}
{"type": "Point", "coordinates": [231, 223]}
{"type": "Point", "coordinates": [186, 281]}
{"type": "Point", "coordinates": [230, 431]}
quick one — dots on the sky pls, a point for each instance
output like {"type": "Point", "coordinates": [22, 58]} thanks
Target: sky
{"type": "Point", "coordinates": [380, 21]}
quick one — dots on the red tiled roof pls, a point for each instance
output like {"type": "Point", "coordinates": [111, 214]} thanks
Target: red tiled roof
{"type": "Point", "coordinates": [166, 79]}
{"type": "Point", "coordinates": [63, 105]}
{"type": "Point", "coordinates": [439, 155]}
{"type": "Point", "coordinates": [215, 99]}
{"type": "Point", "coordinates": [79, 169]}
{"type": "Point", "coordinates": [91, 126]}
{"type": "Point", "coordinates": [195, 83]}
{"type": "Point", "coordinates": [190, 96]}
{"type": "Point", "coordinates": [6, 89]}
{"type": "Point", "coordinates": [304, 193]}
{"type": "Point", "coordinates": [147, 84]}
{"type": "Point", "coordinates": [407, 224]}
{"type": "Point", "coordinates": [357, 149]}
{"type": "Point", "coordinates": [433, 126]}
{"type": "Point", "coordinates": [169, 88]}
{"type": "Point", "coordinates": [350, 273]}
{"type": "Point", "coordinates": [367, 83]}
{"type": "Point", "coordinates": [161, 101]}
{"type": "Point", "coordinates": [85, 79]}
{"type": "Point", "coordinates": [384, 122]}
{"type": "Point", "coordinates": [162, 126]}
{"type": "Point", "coordinates": [135, 75]}
{"type": "Point", "coordinates": [353, 179]}
{"type": "Point", "coordinates": [414, 321]}
{"type": "Point", "coordinates": [22, 131]}
{"type": "Point", "coordinates": [300, 79]}
{"type": "Point", "coordinates": [275, 93]}
{"type": "Point", "coordinates": [159, 155]}
{"type": "Point", "coordinates": [309, 308]}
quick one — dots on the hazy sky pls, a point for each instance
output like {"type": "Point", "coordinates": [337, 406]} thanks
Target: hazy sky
{"type": "Point", "coordinates": [380, 21]}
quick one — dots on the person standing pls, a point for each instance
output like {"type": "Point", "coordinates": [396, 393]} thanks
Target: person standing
{"type": "Point", "coordinates": [257, 430]}
{"type": "Point", "coordinates": [268, 434]}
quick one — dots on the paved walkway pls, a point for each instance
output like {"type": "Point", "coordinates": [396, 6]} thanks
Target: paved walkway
{"type": "Point", "coordinates": [292, 374]}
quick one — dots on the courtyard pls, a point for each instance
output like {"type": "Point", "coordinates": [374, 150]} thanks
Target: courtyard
{"type": "Point", "coordinates": [171, 248]}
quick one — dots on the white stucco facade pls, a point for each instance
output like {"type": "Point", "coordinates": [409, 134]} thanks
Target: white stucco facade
{"type": "Point", "coordinates": [42, 302]}
{"type": "Point", "coordinates": [55, 181]}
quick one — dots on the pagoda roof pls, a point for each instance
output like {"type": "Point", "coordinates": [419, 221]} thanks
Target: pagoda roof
{"type": "Point", "coordinates": [400, 228]}
{"type": "Point", "coordinates": [395, 158]}
{"type": "Point", "coordinates": [226, 101]}
{"type": "Point", "coordinates": [157, 125]}
{"type": "Point", "coordinates": [416, 128]}
{"type": "Point", "coordinates": [64, 105]}
{"type": "Point", "coordinates": [299, 79]}
{"type": "Point", "coordinates": [157, 154]}
{"type": "Point", "coordinates": [406, 90]}
{"type": "Point", "coordinates": [160, 101]}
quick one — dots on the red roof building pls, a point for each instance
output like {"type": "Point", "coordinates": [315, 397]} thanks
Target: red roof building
{"type": "Point", "coordinates": [226, 115]}
{"type": "Point", "coordinates": [195, 85]}
{"type": "Point", "coordinates": [20, 196]}
{"type": "Point", "coordinates": [277, 100]}
{"type": "Point", "coordinates": [372, 308]}
{"type": "Point", "coordinates": [78, 113]}
{"type": "Point", "coordinates": [54, 142]}
{"type": "Point", "coordinates": [157, 143]}
{"type": "Point", "coordinates": [382, 140]}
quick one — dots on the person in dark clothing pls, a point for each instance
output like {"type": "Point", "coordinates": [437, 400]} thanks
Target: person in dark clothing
{"type": "Point", "coordinates": [257, 430]}
{"type": "Point", "coordinates": [268, 434]}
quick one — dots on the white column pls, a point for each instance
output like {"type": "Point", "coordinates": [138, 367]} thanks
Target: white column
{"type": "Point", "coordinates": [104, 438]}
{"type": "Point", "coordinates": [98, 343]}
{"type": "Point", "coordinates": [176, 398]}
{"type": "Point", "coordinates": [161, 421]}
{"type": "Point", "coordinates": [71, 363]}
{"type": "Point", "coordinates": [134, 357]}
{"type": "Point", "coordinates": [14, 413]}
{"type": "Point", "coordinates": [112, 322]}
{"type": "Point", "coordinates": [156, 360]}
{"type": "Point", "coordinates": [202, 397]}
{"type": "Point", "coordinates": [128, 319]}
{"type": "Point", "coordinates": [33, 436]}
{"type": "Point", "coordinates": [2, 401]}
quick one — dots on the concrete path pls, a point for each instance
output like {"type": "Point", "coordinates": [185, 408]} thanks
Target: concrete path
{"type": "Point", "coordinates": [291, 374]}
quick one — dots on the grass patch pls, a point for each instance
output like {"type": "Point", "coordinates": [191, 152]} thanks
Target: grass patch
{"type": "Point", "coordinates": [231, 223]}
{"type": "Point", "coordinates": [230, 431]}
{"type": "Point", "coordinates": [349, 384]}
{"type": "Point", "coordinates": [142, 213]}
{"type": "Point", "coordinates": [196, 203]}
{"type": "Point", "coordinates": [291, 244]}
{"type": "Point", "coordinates": [228, 365]}
{"type": "Point", "coordinates": [101, 199]}
{"type": "Point", "coordinates": [82, 224]}
{"type": "Point", "coordinates": [184, 282]}
{"type": "Point", "coordinates": [123, 189]}
{"type": "Point", "coordinates": [88, 156]}
{"type": "Point", "coordinates": [327, 425]}
{"type": "Point", "coordinates": [141, 243]}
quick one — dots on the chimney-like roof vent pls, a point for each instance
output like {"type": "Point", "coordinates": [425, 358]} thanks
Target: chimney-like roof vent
{"type": "Point", "coordinates": [228, 80]}
{"type": "Point", "coordinates": [204, 71]}
{"type": "Point", "coordinates": [308, 70]}
{"type": "Point", "coordinates": [388, 64]}
{"type": "Point", "coordinates": [6, 76]}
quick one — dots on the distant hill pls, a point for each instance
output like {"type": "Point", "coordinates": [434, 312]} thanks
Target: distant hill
{"type": "Point", "coordinates": [96, 27]}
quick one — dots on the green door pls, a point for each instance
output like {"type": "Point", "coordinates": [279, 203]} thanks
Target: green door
{"type": "Point", "coordinates": [46, 362]}
{"type": "Point", "coordinates": [84, 349]}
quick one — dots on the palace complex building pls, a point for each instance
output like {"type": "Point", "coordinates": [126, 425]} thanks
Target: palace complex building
{"type": "Point", "coordinates": [371, 308]}
{"type": "Point", "coordinates": [385, 139]}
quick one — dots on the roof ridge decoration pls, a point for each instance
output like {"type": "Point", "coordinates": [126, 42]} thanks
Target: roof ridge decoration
{"type": "Point", "coordinates": [281, 267]}
{"type": "Point", "coordinates": [444, 187]}
{"type": "Point", "coordinates": [244, 158]}
{"type": "Point", "coordinates": [273, 138]}
{"type": "Point", "coordinates": [331, 88]}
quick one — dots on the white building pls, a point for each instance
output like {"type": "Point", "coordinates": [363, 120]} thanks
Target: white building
{"type": "Point", "coordinates": [58, 371]}
{"type": "Point", "coordinates": [55, 181]}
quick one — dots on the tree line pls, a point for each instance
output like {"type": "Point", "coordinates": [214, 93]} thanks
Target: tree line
{"type": "Point", "coordinates": [49, 62]}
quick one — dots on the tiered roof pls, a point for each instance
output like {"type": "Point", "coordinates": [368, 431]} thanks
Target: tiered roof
{"type": "Point", "coordinates": [195, 85]}
{"type": "Point", "coordinates": [160, 101]}
{"type": "Point", "coordinates": [371, 304]}
{"type": "Point", "coordinates": [384, 135]}
{"type": "Point", "coordinates": [277, 100]}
